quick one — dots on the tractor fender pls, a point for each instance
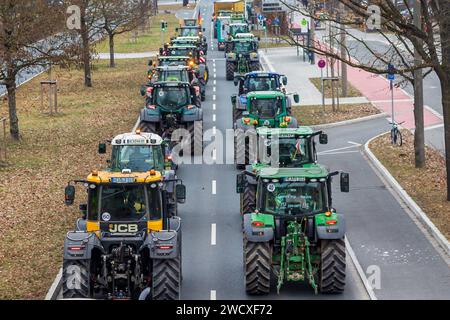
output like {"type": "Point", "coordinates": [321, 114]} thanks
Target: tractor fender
{"type": "Point", "coordinates": [253, 234]}
{"type": "Point", "coordinates": [250, 179]}
{"type": "Point", "coordinates": [192, 115]}
{"type": "Point", "coordinates": [87, 241]}
{"type": "Point", "coordinates": [230, 58]}
{"type": "Point", "coordinates": [293, 123]}
{"type": "Point", "coordinates": [81, 225]}
{"type": "Point", "coordinates": [239, 125]}
{"type": "Point", "coordinates": [148, 115]}
{"type": "Point", "coordinates": [162, 244]}
{"type": "Point", "coordinates": [333, 231]}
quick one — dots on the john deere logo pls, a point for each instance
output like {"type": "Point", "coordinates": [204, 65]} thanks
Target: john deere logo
{"type": "Point", "coordinates": [123, 228]}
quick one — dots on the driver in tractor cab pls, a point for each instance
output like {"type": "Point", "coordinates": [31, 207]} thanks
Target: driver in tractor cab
{"type": "Point", "coordinates": [263, 85]}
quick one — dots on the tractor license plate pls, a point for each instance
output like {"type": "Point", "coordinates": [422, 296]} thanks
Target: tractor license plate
{"type": "Point", "coordinates": [122, 180]}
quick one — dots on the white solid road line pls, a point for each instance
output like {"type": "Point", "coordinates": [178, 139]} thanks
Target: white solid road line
{"type": "Point", "coordinates": [213, 295]}
{"type": "Point", "coordinates": [437, 126]}
{"type": "Point", "coordinates": [214, 187]}
{"type": "Point", "coordinates": [360, 270]}
{"type": "Point", "coordinates": [338, 149]}
{"type": "Point", "coordinates": [213, 234]}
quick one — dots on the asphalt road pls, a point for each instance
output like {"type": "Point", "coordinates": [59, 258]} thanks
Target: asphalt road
{"type": "Point", "coordinates": [212, 233]}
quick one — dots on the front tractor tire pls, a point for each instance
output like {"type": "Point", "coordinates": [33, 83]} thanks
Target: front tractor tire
{"type": "Point", "coordinates": [258, 264]}
{"type": "Point", "coordinates": [76, 279]}
{"type": "Point", "coordinates": [230, 69]}
{"type": "Point", "coordinates": [332, 266]}
{"type": "Point", "coordinates": [166, 279]}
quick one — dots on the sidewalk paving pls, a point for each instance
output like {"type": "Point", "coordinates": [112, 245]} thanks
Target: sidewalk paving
{"type": "Point", "coordinates": [375, 89]}
{"type": "Point", "coordinates": [134, 55]}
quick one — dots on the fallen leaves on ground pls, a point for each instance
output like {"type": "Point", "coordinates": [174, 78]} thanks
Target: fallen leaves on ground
{"type": "Point", "coordinates": [52, 151]}
{"type": "Point", "coordinates": [315, 115]}
{"type": "Point", "coordinates": [427, 186]}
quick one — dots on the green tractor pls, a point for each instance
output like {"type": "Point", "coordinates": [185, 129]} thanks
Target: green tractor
{"type": "Point", "coordinates": [294, 234]}
{"type": "Point", "coordinates": [170, 106]}
{"type": "Point", "coordinates": [242, 57]}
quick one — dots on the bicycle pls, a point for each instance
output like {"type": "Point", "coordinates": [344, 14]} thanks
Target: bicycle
{"type": "Point", "coordinates": [396, 135]}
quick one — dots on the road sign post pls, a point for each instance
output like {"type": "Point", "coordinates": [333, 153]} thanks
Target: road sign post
{"type": "Point", "coordinates": [391, 78]}
{"type": "Point", "coordinates": [322, 64]}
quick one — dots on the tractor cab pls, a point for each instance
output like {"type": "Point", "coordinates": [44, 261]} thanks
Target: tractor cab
{"type": "Point", "coordinates": [288, 147]}
{"type": "Point", "coordinates": [190, 31]}
{"type": "Point", "coordinates": [242, 46]}
{"type": "Point", "coordinates": [260, 81]}
{"type": "Point", "coordinates": [174, 73]}
{"type": "Point", "coordinates": [173, 61]}
{"type": "Point", "coordinates": [238, 28]}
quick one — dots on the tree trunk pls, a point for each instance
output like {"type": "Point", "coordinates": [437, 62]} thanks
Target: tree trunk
{"type": "Point", "coordinates": [445, 84]}
{"type": "Point", "coordinates": [112, 62]}
{"type": "Point", "coordinates": [444, 77]}
{"type": "Point", "coordinates": [13, 119]}
{"type": "Point", "coordinates": [86, 50]}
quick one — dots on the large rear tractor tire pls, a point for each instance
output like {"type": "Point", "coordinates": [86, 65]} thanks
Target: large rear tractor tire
{"type": "Point", "coordinates": [248, 198]}
{"type": "Point", "coordinates": [332, 266]}
{"type": "Point", "coordinates": [258, 263]}
{"type": "Point", "coordinates": [166, 279]}
{"type": "Point", "coordinates": [76, 279]}
{"type": "Point", "coordinates": [196, 138]}
{"type": "Point", "coordinates": [231, 67]}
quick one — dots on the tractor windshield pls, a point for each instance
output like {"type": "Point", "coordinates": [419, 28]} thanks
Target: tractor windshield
{"type": "Point", "coordinates": [266, 108]}
{"type": "Point", "coordinates": [185, 52]}
{"type": "Point", "coordinates": [137, 158]}
{"type": "Point", "coordinates": [293, 198]}
{"type": "Point", "coordinates": [189, 32]}
{"type": "Point", "coordinates": [243, 47]}
{"type": "Point", "coordinates": [167, 62]}
{"type": "Point", "coordinates": [173, 75]}
{"type": "Point", "coordinates": [171, 98]}
{"type": "Point", "coordinates": [125, 203]}
{"type": "Point", "coordinates": [234, 30]}
{"type": "Point", "coordinates": [292, 152]}
{"type": "Point", "coordinates": [262, 84]}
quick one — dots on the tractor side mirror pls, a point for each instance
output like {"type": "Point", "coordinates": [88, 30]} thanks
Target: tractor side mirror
{"type": "Point", "coordinates": [323, 138]}
{"type": "Point", "coordinates": [236, 82]}
{"type": "Point", "coordinates": [150, 63]}
{"type": "Point", "coordinates": [161, 51]}
{"type": "Point", "coordinates": [180, 193]}
{"type": "Point", "coordinates": [296, 98]}
{"type": "Point", "coordinates": [143, 90]}
{"type": "Point", "coordinates": [284, 80]}
{"type": "Point", "coordinates": [233, 99]}
{"type": "Point", "coordinates": [240, 180]}
{"type": "Point", "coordinates": [345, 182]}
{"type": "Point", "coordinates": [177, 29]}
{"type": "Point", "coordinates": [69, 195]}
{"type": "Point", "coordinates": [204, 29]}
{"type": "Point", "coordinates": [259, 38]}
{"type": "Point", "coordinates": [102, 148]}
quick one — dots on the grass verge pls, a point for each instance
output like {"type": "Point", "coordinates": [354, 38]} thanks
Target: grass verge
{"type": "Point", "coordinates": [314, 115]}
{"type": "Point", "coordinates": [144, 40]}
{"type": "Point", "coordinates": [53, 150]}
{"type": "Point", "coordinates": [351, 90]}
{"type": "Point", "coordinates": [427, 186]}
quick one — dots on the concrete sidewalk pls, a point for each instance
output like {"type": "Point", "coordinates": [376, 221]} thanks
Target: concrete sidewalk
{"type": "Point", "coordinates": [375, 89]}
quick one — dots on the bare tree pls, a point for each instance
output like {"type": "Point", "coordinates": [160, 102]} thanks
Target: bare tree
{"type": "Point", "coordinates": [411, 47]}
{"type": "Point", "coordinates": [120, 16]}
{"type": "Point", "coordinates": [29, 37]}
